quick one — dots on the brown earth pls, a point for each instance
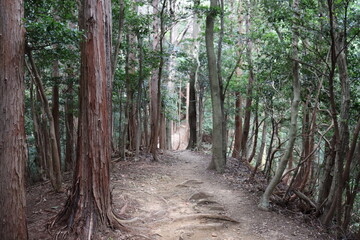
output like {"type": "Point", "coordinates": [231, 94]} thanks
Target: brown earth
{"type": "Point", "coordinates": [178, 199]}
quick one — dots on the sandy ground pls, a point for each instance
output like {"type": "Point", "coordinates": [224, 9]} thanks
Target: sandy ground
{"type": "Point", "coordinates": [177, 199]}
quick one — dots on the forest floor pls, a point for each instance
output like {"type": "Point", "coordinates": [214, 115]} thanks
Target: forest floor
{"type": "Point", "coordinates": [177, 198]}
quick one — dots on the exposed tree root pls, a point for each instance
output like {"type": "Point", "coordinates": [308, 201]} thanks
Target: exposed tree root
{"type": "Point", "coordinates": [205, 216]}
{"type": "Point", "coordinates": [189, 182]}
{"type": "Point", "coordinates": [206, 202]}
{"type": "Point", "coordinates": [199, 195]}
{"type": "Point", "coordinates": [127, 221]}
{"type": "Point", "coordinates": [209, 226]}
{"type": "Point", "coordinates": [306, 199]}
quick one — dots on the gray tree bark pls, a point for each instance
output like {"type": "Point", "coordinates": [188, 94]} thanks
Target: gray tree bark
{"type": "Point", "coordinates": [218, 160]}
{"type": "Point", "coordinates": [265, 199]}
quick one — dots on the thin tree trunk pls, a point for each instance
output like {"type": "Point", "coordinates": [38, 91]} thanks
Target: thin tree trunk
{"type": "Point", "coordinates": [246, 127]}
{"type": "Point", "coordinates": [154, 88]}
{"type": "Point", "coordinates": [146, 122]}
{"type": "Point", "coordinates": [130, 92]}
{"type": "Point", "coordinates": [350, 198]}
{"type": "Point", "coordinates": [55, 159]}
{"type": "Point", "coordinates": [302, 176]}
{"type": "Point", "coordinates": [351, 194]}
{"type": "Point", "coordinates": [56, 105]}
{"type": "Point", "coordinates": [326, 177]}
{"type": "Point", "coordinates": [119, 39]}
{"type": "Point", "coordinates": [201, 116]}
{"type": "Point", "coordinates": [162, 133]}
{"type": "Point", "coordinates": [192, 112]}
{"type": "Point", "coordinates": [341, 131]}
{"type": "Point", "coordinates": [238, 126]}
{"type": "Point", "coordinates": [193, 139]}
{"type": "Point", "coordinates": [139, 97]}
{"type": "Point", "coordinates": [238, 98]}
{"type": "Point", "coordinates": [69, 124]}
{"type": "Point", "coordinates": [39, 139]}
{"type": "Point", "coordinates": [262, 146]}
{"type": "Point", "coordinates": [256, 132]}
{"type": "Point", "coordinates": [265, 199]}
{"type": "Point", "coordinates": [220, 79]}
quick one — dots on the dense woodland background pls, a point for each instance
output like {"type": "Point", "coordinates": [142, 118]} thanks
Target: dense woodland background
{"type": "Point", "coordinates": [273, 83]}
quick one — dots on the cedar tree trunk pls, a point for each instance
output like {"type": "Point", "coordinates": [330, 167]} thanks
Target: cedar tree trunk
{"type": "Point", "coordinates": [12, 132]}
{"type": "Point", "coordinates": [88, 207]}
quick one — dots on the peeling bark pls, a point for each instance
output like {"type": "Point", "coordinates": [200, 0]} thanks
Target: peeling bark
{"type": "Point", "coordinates": [88, 207]}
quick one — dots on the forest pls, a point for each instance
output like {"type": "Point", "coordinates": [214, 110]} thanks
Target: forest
{"type": "Point", "coordinates": [169, 119]}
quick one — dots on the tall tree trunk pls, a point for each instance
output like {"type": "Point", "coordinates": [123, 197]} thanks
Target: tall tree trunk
{"type": "Point", "coordinates": [154, 88]}
{"type": "Point", "coordinates": [350, 198]}
{"type": "Point", "coordinates": [193, 79]}
{"type": "Point", "coordinates": [352, 193]}
{"type": "Point", "coordinates": [218, 160]}
{"type": "Point", "coordinates": [262, 146]}
{"type": "Point", "coordinates": [246, 127]}
{"type": "Point", "coordinates": [238, 124]}
{"type": "Point", "coordinates": [55, 110]}
{"type": "Point", "coordinates": [302, 176]}
{"type": "Point", "coordinates": [69, 127]}
{"type": "Point", "coordinates": [265, 199]}
{"type": "Point", "coordinates": [88, 207]}
{"type": "Point", "coordinates": [201, 115]}
{"type": "Point", "coordinates": [146, 122]}
{"type": "Point", "coordinates": [220, 78]}
{"type": "Point", "coordinates": [341, 130]}
{"type": "Point", "coordinates": [139, 97]}
{"type": "Point", "coordinates": [12, 132]}
{"type": "Point", "coordinates": [256, 132]}
{"type": "Point", "coordinates": [56, 182]}
{"type": "Point", "coordinates": [326, 176]}
{"type": "Point", "coordinates": [130, 93]}
{"type": "Point", "coordinates": [39, 138]}
{"type": "Point", "coordinates": [192, 112]}
{"type": "Point", "coordinates": [159, 124]}
{"type": "Point", "coordinates": [117, 44]}
{"type": "Point", "coordinates": [46, 145]}
{"type": "Point", "coordinates": [238, 98]}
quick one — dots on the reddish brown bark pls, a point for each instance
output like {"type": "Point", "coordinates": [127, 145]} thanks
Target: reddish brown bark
{"type": "Point", "coordinates": [192, 112]}
{"type": "Point", "coordinates": [256, 132]}
{"type": "Point", "coordinates": [55, 105]}
{"type": "Point", "coordinates": [54, 162]}
{"type": "Point", "coordinates": [69, 122]}
{"type": "Point", "coordinates": [249, 92]}
{"type": "Point", "coordinates": [39, 139]}
{"type": "Point", "coordinates": [307, 146]}
{"type": "Point", "coordinates": [89, 206]}
{"type": "Point", "coordinates": [341, 127]}
{"type": "Point", "coordinates": [129, 136]}
{"type": "Point", "coordinates": [238, 101]}
{"type": "Point", "coordinates": [12, 133]}
{"type": "Point", "coordinates": [238, 126]}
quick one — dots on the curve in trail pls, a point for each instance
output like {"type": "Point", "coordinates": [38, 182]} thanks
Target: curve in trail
{"type": "Point", "coordinates": [178, 199]}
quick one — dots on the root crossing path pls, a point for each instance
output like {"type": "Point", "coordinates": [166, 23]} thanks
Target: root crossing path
{"type": "Point", "coordinates": [178, 199]}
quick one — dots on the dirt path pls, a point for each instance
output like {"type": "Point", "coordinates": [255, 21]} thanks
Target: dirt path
{"type": "Point", "coordinates": [178, 199]}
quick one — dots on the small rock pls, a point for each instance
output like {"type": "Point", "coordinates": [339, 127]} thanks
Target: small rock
{"type": "Point", "coordinates": [214, 235]}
